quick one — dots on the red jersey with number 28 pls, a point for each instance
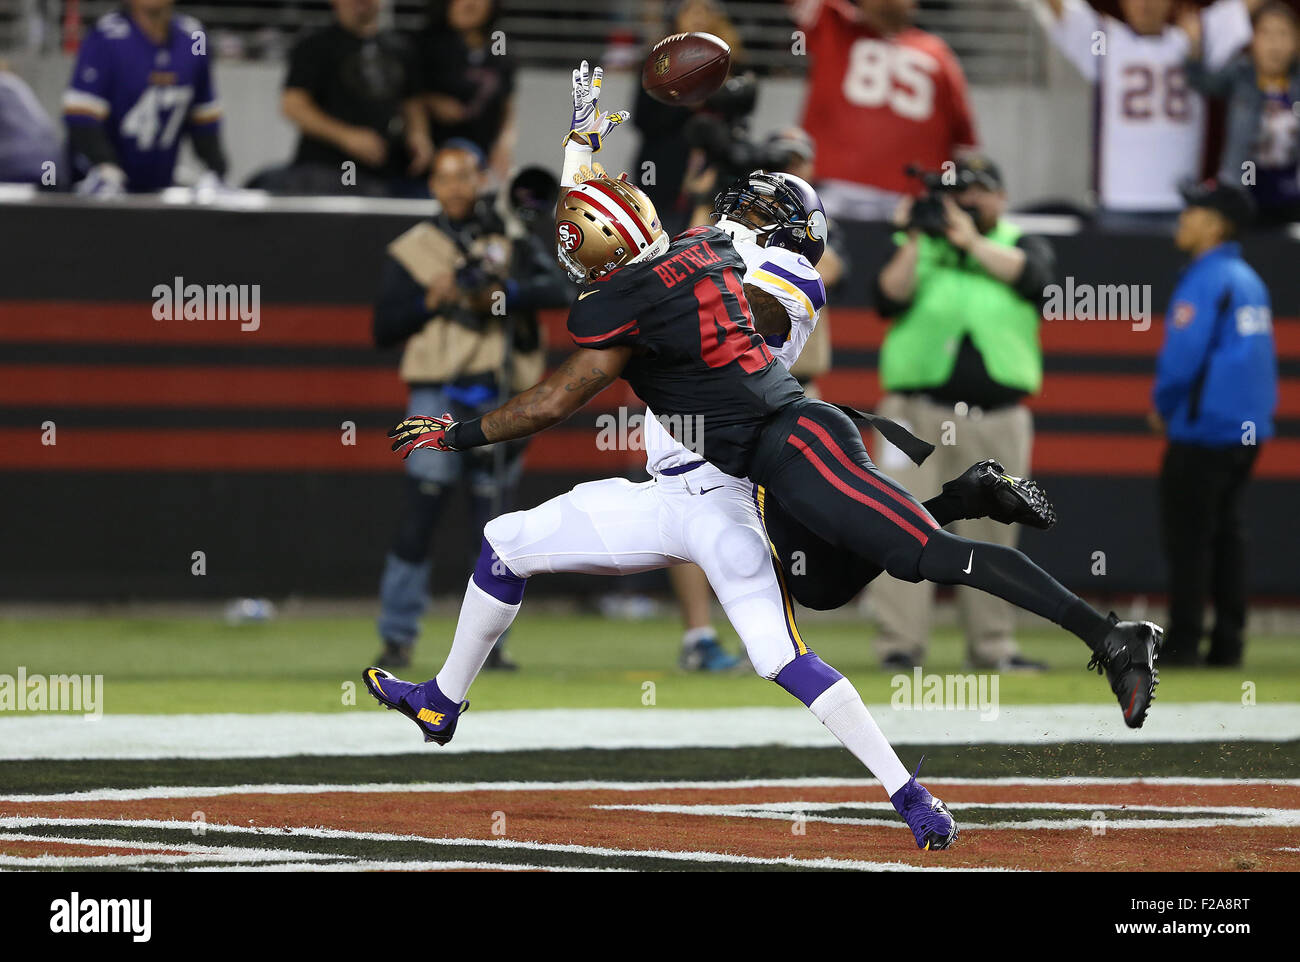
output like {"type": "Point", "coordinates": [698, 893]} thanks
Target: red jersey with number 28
{"type": "Point", "coordinates": [696, 353]}
{"type": "Point", "coordinates": [877, 104]}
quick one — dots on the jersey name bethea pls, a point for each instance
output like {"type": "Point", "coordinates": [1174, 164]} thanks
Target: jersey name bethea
{"type": "Point", "coordinates": [681, 266]}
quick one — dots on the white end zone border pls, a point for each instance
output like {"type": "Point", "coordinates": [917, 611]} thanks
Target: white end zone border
{"type": "Point", "coordinates": [365, 730]}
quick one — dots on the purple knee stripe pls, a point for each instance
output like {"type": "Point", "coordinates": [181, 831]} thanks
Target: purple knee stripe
{"type": "Point", "coordinates": [492, 575]}
{"type": "Point", "coordinates": [807, 677]}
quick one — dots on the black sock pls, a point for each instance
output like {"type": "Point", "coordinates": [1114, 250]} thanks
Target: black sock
{"type": "Point", "coordinates": [1010, 575]}
{"type": "Point", "coordinates": [945, 508]}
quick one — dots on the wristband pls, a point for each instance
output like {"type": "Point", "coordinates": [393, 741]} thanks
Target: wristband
{"type": "Point", "coordinates": [465, 434]}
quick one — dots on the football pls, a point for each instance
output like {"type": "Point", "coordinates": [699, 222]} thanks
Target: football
{"type": "Point", "coordinates": [684, 69]}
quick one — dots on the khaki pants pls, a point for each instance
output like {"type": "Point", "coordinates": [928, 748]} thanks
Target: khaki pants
{"type": "Point", "coordinates": [902, 609]}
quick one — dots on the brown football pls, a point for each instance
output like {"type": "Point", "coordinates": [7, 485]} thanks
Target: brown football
{"type": "Point", "coordinates": [684, 69]}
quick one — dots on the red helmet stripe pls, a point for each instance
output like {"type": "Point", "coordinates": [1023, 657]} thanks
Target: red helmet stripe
{"type": "Point", "coordinates": [613, 219]}
{"type": "Point", "coordinates": [623, 205]}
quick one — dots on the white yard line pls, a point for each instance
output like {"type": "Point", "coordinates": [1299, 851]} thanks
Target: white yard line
{"type": "Point", "coordinates": [366, 731]}
{"type": "Point", "coordinates": [800, 811]}
{"type": "Point", "coordinates": [494, 843]}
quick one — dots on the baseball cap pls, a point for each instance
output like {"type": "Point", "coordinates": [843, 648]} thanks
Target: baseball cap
{"type": "Point", "coordinates": [979, 169]}
{"type": "Point", "coordinates": [1234, 203]}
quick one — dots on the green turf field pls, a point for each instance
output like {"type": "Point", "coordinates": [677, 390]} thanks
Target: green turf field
{"type": "Point", "coordinates": [165, 665]}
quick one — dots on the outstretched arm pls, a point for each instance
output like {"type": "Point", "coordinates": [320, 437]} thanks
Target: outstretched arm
{"type": "Point", "coordinates": [582, 376]}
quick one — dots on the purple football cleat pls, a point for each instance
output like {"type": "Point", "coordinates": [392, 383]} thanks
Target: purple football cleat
{"type": "Point", "coordinates": [424, 704]}
{"type": "Point", "coordinates": [927, 817]}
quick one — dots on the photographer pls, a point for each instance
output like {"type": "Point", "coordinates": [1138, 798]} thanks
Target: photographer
{"type": "Point", "coordinates": [963, 293]}
{"type": "Point", "coordinates": [462, 290]}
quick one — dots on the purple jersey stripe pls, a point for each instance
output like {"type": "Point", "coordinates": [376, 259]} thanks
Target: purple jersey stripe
{"type": "Point", "coordinates": [813, 288]}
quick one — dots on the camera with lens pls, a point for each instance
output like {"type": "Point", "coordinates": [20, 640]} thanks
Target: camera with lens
{"type": "Point", "coordinates": [927, 213]}
{"type": "Point", "coordinates": [721, 131]}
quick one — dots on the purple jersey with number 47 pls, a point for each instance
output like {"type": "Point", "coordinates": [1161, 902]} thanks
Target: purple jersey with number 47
{"type": "Point", "coordinates": [144, 94]}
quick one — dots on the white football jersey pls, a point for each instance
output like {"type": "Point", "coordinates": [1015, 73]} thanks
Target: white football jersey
{"type": "Point", "coordinates": [1150, 124]}
{"type": "Point", "coordinates": [792, 280]}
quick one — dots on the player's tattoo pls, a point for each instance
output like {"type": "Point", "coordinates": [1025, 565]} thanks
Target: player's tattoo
{"type": "Point", "coordinates": [770, 318]}
{"type": "Point", "coordinates": [582, 376]}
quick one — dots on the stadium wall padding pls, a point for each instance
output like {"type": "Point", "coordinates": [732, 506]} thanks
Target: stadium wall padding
{"type": "Point", "coordinates": [182, 436]}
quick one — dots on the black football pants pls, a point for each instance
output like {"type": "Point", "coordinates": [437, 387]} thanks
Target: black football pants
{"type": "Point", "coordinates": [1201, 492]}
{"type": "Point", "coordinates": [812, 462]}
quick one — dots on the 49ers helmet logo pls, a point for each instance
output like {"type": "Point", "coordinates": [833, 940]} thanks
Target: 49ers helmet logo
{"type": "Point", "coordinates": [569, 235]}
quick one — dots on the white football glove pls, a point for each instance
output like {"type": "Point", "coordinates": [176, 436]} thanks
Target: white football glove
{"type": "Point", "coordinates": [103, 180]}
{"type": "Point", "coordinates": [589, 125]}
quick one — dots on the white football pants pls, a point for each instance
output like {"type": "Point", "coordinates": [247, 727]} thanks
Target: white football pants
{"type": "Point", "coordinates": [616, 527]}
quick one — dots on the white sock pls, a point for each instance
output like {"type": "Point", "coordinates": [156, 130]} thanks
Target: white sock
{"type": "Point", "coordinates": [483, 619]}
{"type": "Point", "coordinates": [692, 635]}
{"type": "Point", "coordinates": [841, 710]}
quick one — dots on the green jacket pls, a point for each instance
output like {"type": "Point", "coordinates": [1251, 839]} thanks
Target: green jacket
{"type": "Point", "coordinates": [955, 296]}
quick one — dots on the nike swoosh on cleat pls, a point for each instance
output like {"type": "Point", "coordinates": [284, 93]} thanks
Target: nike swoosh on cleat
{"type": "Point", "coordinates": [375, 681]}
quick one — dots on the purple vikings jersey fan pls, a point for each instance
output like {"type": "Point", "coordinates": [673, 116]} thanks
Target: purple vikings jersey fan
{"type": "Point", "coordinates": [145, 95]}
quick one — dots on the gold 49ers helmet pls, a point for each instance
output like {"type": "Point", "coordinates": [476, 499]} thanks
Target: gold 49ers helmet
{"type": "Point", "coordinates": [602, 224]}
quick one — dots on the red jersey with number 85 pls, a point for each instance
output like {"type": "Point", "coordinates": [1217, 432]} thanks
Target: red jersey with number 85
{"type": "Point", "coordinates": [696, 353]}
{"type": "Point", "coordinates": [876, 104]}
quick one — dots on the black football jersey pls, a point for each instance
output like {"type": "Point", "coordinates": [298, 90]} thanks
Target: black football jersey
{"type": "Point", "coordinates": [698, 362]}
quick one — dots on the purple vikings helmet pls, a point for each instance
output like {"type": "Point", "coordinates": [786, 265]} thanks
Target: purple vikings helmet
{"type": "Point", "coordinates": [781, 208]}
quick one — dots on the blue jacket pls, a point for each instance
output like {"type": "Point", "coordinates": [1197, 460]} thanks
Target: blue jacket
{"type": "Point", "coordinates": [1217, 368]}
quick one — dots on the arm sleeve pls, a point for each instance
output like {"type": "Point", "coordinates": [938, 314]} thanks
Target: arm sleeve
{"type": "Point", "coordinates": [1189, 327]}
{"type": "Point", "coordinates": [1072, 34]}
{"type": "Point", "coordinates": [1225, 28]}
{"type": "Point", "coordinates": [205, 113]}
{"type": "Point", "coordinates": [89, 141]}
{"type": "Point", "coordinates": [207, 144]}
{"type": "Point", "coordinates": [1039, 270]}
{"type": "Point", "coordinates": [399, 309]}
{"type": "Point", "coordinates": [86, 101]}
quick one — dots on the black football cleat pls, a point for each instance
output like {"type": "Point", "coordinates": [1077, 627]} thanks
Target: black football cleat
{"type": "Point", "coordinates": [1128, 657]}
{"type": "Point", "coordinates": [987, 491]}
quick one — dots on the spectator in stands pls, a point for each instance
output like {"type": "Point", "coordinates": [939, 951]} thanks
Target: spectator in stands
{"type": "Point", "coordinates": [142, 78]}
{"type": "Point", "coordinates": [1214, 399]}
{"type": "Point", "coordinates": [461, 292]}
{"type": "Point", "coordinates": [1150, 125]}
{"type": "Point", "coordinates": [28, 138]}
{"type": "Point", "coordinates": [351, 92]}
{"type": "Point", "coordinates": [963, 294]}
{"type": "Point", "coordinates": [665, 153]}
{"type": "Point", "coordinates": [469, 80]}
{"type": "Point", "coordinates": [1262, 87]}
{"type": "Point", "coordinates": [882, 94]}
